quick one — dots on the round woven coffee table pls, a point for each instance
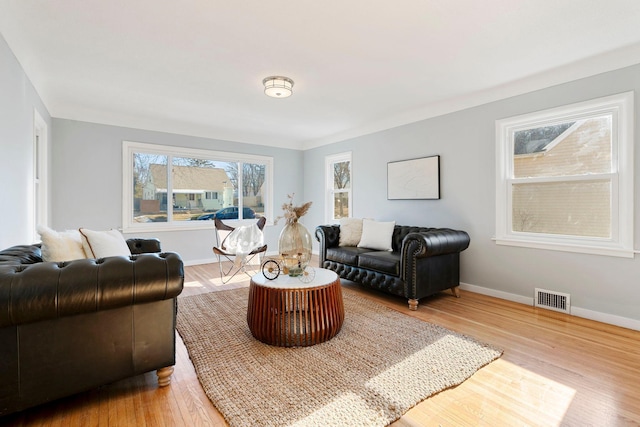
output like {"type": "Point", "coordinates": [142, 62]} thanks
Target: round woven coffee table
{"type": "Point", "coordinates": [287, 312]}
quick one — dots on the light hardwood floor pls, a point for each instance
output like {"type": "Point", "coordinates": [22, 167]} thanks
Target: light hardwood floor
{"type": "Point", "coordinates": [556, 370]}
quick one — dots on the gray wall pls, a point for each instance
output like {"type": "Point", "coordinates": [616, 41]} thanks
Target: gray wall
{"type": "Point", "coordinates": [465, 140]}
{"type": "Point", "coordinates": [18, 99]}
{"type": "Point", "coordinates": [87, 181]}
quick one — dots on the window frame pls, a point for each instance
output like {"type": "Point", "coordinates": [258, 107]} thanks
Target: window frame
{"type": "Point", "coordinates": [620, 244]}
{"type": "Point", "coordinates": [131, 147]}
{"type": "Point", "coordinates": [40, 174]}
{"type": "Point", "coordinates": [329, 188]}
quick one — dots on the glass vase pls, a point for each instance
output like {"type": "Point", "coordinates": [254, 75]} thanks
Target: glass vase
{"type": "Point", "coordinates": [294, 247]}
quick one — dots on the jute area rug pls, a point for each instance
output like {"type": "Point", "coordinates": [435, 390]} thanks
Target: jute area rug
{"type": "Point", "coordinates": [380, 365]}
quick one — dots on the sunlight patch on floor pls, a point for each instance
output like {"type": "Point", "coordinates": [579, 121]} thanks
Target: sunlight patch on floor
{"type": "Point", "coordinates": [537, 397]}
{"type": "Point", "coordinates": [329, 414]}
{"type": "Point", "coordinates": [193, 284]}
{"type": "Point", "coordinates": [499, 394]}
{"type": "Point", "coordinates": [238, 278]}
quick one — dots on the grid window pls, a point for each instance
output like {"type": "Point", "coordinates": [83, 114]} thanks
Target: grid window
{"type": "Point", "coordinates": [168, 187]}
{"type": "Point", "coordinates": [565, 178]}
{"type": "Point", "coordinates": [338, 186]}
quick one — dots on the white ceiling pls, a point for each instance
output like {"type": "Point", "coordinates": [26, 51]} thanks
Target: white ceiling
{"type": "Point", "coordinates": [195, 67]}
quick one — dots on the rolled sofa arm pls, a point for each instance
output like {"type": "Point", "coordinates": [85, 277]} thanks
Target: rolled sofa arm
{"type": "Point", "coordinates": [49, 290]}
{"type": "Point", "coordinates": [329, 237]}
{"type": "Point", "coordinates": [329, 234]}
{"type": "Point", "coordinates": [437, 241]}
{"type": "Point", "coordinates": [144, 246]}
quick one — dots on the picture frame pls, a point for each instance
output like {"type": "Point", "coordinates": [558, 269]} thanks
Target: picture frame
{"type": "Point", "coordinates": [414, 179]}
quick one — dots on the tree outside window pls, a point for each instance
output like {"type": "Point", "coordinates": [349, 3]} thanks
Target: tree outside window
{"type": "Point", "coordinates": [339, 194]}
{"type": "Point", "coordinates": [174, 185]}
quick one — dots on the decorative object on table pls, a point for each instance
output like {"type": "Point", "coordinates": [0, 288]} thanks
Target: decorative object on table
{"type": "Point", "coordinates": [294, 244]}
{"type": "Point", "coordinates": [369, 374]}
{"type": "Point", "coordinates": [271, 269]}
{"type": "Point", "coordinates": [308, 274]}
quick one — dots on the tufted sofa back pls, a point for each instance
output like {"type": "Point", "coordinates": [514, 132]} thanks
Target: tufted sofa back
{"type": "Point", "coordinates": [22, 254]}
{"type": "Point", "coordinates": [401, 231]}
{"type": "Point", "coordinates": [32, 290]}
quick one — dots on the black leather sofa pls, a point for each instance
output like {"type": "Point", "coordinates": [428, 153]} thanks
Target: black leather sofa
{"type": "Point", "coordinates": [423, 261]}
{"type": "Point", "coordinates": [67, 327]}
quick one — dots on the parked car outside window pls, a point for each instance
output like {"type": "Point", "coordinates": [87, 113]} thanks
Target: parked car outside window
{"type": "Point", "coordinates": [230, 212]}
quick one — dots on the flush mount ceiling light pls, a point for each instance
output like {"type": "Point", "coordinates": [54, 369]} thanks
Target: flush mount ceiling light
{"type": "Point", "coordinates": [278, 86]}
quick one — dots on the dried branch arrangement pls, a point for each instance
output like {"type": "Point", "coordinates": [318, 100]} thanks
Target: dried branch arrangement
{"type": "Point", "coordinates": [293, 213]}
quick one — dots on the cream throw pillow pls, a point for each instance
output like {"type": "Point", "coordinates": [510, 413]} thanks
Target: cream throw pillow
{"type": "Point", "coordinates": [350, 231]}
{"type": "Point", "coordinates": [60, 246]}
{"type": "Point", "coordinates": [101, 244]}
{"type": "Point", "coordinates": [377, 235]}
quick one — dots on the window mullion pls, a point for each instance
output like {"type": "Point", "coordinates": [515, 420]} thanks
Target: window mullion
{"type": "Point", "coordinates": [564, 178]}
{"type": "Point", "coordinates": [240, 189]}
{"type": "Point", "coordinates": [170, 194]}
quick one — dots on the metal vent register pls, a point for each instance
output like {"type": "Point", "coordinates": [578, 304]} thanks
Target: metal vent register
{"type": "Point", "coordinates": [553, 300]}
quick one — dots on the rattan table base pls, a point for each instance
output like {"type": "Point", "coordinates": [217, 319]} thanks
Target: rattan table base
{"type": "Point", "coordinates": [297, 314]}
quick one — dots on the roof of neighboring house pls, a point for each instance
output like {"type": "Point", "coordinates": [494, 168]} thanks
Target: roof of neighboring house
{"type": "Point", "coordinates": [188, 177]}
{"type": "Point", "coordinates": [536, 140]}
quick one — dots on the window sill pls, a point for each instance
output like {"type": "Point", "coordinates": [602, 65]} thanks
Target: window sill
{"type": "Point", "coordinates": [567, 247]}
{"type": "Point", "coordinates": [185, 226]}
{"type": "Point", "coordinates": [154, 228]}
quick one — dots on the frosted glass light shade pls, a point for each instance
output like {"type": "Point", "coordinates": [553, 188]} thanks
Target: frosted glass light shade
{"type": "Point", "coordinates": [278, 87]}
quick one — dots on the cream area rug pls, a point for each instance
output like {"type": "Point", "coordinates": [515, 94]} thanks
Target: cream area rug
{"type": "Point", "coordinates": [380, 364]}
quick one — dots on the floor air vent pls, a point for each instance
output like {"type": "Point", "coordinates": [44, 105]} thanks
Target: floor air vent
{"type": "Point", "coordinates": [553, 300]}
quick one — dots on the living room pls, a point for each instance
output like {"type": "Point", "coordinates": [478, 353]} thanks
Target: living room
{"type": "Point", "coordinates": [85, 168]}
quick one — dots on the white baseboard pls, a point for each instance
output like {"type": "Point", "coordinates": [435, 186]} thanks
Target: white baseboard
{"type": "Point", "coordinates": [610, 319]}
{"type": "Point", "coordinates": [498, 294]}
{"type": "Point", "coordinates": [200, 261]}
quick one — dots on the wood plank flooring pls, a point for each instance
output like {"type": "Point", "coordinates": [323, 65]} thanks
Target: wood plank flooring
{"type": "Point", "coordinates": [556, 370]}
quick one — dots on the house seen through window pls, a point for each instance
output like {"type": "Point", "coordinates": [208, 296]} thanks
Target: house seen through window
{"type": "Point", "coordinates": [565, 179]}
{"type": "Point", "coordinates": [173, 185]}
{"type": "Point", "coordinates": [564, 183]}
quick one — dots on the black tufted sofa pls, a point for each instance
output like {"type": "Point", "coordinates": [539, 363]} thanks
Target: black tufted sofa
{"type": "Point", "coordinates": [71, 326]}
{"type": "Point", "coordinates": [423, 261]}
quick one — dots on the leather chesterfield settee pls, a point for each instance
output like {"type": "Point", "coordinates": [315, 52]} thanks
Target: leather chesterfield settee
{"type": "Point", "coordinates": [67, 327]}
{"type": "Point", "coordinates": [422, 262]}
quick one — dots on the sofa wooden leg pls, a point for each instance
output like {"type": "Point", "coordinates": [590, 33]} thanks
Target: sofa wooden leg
{"type": "Point", "coordinates": [413, 304]}
{"type": "Point", "coordinates": [164, 376]}
{"type": "Point", "coordinates": [456, 291]}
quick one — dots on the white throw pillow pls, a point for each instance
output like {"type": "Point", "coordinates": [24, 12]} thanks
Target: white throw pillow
{"type": "Point", "coordinates": [350, 231]}
{"type": "Point", "coordinates": [376, 235]}
{"type": "Point", "coordinates": [101, 244]}
{"type": "Point", "coordinates": [60, 246]}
